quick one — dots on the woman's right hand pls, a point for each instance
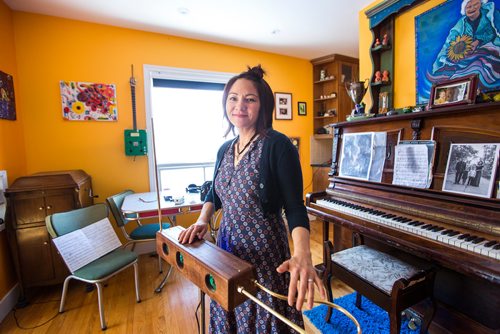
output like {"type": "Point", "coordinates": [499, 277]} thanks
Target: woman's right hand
{"type": "Point", "coordinates": [193, 232]}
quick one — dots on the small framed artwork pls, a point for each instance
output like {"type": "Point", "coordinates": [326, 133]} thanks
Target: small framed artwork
{"type": "Point", "coordinates": [283, 106]}
{"type": "Point", "coordinates": [302, 107]}
{"type": "Point", "coordinates": [471, 169]}
{"type": "Point", "coordinates": [454, 92]}
{"type": "Point", "coordinates": [383, 102]}
{"type": "Point", "coordinates": [7, 99]}
{"type": "Point", "coordinates": [87, 101]}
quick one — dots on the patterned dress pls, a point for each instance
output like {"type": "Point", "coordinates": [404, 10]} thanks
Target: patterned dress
{"type": "Point", "coordinates": [261, 241]}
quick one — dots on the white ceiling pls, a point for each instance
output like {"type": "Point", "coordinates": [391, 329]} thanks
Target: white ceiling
{"type": "Point", "coordinates": [299, 28]}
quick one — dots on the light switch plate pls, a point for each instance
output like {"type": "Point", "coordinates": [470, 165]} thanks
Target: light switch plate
{"type": "Point", "coordinates": [3, 185]}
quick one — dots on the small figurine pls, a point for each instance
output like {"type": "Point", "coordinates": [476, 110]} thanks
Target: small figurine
{"type": "Point", "coordinates": [385, 76]}
{"type": "Point", "coordinates": [378, 76]}
{"type": "Point", "coordinates": [377, 43]}
{"type": "Point", "coordinates": [322, 75]}
{"type": "Point", "coordinates": [385, 40]}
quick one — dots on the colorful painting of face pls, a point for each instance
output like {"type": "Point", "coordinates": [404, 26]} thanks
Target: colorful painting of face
{"type": "Point", "coordinates": [455, 39]}
{"type": "Point", "coordinates": [7, 100]}
{"type": "Point", "coordinates": [84, 101]}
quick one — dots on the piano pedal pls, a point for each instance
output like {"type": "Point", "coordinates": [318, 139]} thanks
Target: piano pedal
{"type": "Point", "coordinates": [413, 318]}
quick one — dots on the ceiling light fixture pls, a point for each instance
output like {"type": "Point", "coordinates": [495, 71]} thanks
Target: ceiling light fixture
{"type": "Point", "coordinates": [275, 31]}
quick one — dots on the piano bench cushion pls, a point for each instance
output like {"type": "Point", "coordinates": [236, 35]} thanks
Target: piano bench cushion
{"type": "Point", "coordinates": [377, 268]}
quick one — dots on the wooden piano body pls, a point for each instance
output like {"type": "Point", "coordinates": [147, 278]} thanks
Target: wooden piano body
{"type": "Point", "coordinates": [467, 286]}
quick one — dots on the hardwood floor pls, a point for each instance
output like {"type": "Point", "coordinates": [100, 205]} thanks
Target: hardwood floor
{"type": "Point", "coordinates": [172, 311]}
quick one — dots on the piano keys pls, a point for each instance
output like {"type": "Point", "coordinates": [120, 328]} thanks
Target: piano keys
{"type": "Point", "coordinates": [449, 236]}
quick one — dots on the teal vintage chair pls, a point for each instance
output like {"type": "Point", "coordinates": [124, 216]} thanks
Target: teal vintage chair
{"type": "Point", "coordinates": [101, 269]}
{"type": "Point", "coordinates": [140, 233]}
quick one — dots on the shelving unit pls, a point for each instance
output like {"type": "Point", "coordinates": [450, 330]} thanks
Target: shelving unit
{"type": "Point", "coordinates": [382, 59]}
{"type": "Point", "coordinates": [331, 104]}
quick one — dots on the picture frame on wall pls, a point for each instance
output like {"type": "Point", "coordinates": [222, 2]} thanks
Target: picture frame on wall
{"type": "Point", "coordinates": [302, 108]}
{"type": "Point", "coordinates": [283, 109]}
{"type": "Point", "coordinates": [454, 92]}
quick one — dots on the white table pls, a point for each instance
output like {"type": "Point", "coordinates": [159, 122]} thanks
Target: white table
{"type": "Point", "coordinates": [146, 204]}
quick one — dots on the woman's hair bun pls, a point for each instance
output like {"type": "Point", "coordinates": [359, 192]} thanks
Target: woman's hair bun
{"type": "Point", "coordinates": [256, 72]}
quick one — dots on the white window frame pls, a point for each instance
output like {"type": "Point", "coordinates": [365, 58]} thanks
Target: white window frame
{"type": "Point", "coordinates": [171, 73]}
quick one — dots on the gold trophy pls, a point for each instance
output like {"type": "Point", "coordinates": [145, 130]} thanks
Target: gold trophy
{"type": "Point", "coordinates": [356, 91]}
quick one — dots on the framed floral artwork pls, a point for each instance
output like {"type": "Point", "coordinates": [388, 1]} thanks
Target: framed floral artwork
{"type": "Point", "coordinates": [84, 101]}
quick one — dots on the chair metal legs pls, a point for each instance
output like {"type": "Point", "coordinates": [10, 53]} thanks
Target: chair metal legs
{"type": "Point", "coordinates": [160, 265]}
{"type": "Point", "coordinates": [101, 307]}
{"type": "Point", "coordinates": [98, 284]}
{"type": "Point", "coordinates": [136, 277]}
{"type": "Point", "coordinates": [65, 290]}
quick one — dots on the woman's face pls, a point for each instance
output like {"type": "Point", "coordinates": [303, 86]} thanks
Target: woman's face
{"type": "Point", "coordinates": [472, 9]}
{"type": "Point", "coordinates": [243, 104]}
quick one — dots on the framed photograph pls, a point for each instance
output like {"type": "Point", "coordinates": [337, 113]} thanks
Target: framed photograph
{"type": "Point", "coordinates": [356, 155]}
{"type": "Point", "coordinates": [454, 92]}
{"type": "Point", "coordinates": [283, 106]}
{"type": "Point", "coordinates": [302, 108]}
{"type": "Point", "coordinates": [471, 169]}
{"type": "Point", "coordinates": [383, 102]}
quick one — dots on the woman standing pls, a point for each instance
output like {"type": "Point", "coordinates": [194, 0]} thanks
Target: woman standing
{"type": "Point", "coordinates": [257, 175]}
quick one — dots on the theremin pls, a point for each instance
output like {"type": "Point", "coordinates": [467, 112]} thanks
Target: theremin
{"type": "Point", "coordinates": [224, 277]}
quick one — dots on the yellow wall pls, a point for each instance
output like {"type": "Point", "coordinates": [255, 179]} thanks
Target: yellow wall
{"type": "Point", "coordinates": [12, 157]}
{"type": "Point", "coordinates": [45, 50]}
{"type": "Point", "coordinates": [404, 75]}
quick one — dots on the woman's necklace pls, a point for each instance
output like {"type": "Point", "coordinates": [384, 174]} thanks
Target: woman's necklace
{"type": "Point", "coordinates": [246, 146]}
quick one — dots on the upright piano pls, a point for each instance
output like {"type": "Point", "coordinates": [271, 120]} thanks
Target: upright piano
{"type": "Point", "coordinates": [457, 232]}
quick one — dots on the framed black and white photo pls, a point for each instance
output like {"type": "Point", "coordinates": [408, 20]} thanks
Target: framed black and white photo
{"type": "Point", "coordinates": [471, 169]}
{"type": "Point", "coordinates": [356, 156]}
{"type": "Point", "coordinates": [283, 108]}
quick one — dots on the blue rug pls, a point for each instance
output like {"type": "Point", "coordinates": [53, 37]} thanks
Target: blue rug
{"type": "Point", "coordinates": [372, 319]}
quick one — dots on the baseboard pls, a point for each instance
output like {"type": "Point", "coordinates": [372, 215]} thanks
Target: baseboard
{"type": "Point", "coordinates": [9, 301]}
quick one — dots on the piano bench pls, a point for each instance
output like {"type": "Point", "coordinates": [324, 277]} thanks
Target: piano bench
{"type": "Point", "coordinates": [387, 281]}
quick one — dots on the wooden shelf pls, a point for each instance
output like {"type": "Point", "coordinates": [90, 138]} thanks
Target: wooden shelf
{"type": "Point", "coordinates": [325, 136]}
{"type": "Point", "coordinates": [381, 83]}
{"type": "Point", "coordinates": [381, 48]}
{"type": "Point", "coordinates": [325, 99]}
{"type": "Point", "coordinates": [322, 117]}
{"type": "Point", "coordinates": [323, 81]}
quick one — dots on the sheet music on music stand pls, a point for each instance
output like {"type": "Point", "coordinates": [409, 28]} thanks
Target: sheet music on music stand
{"type": "Point", "coordinates": [413, 163]}
{"type": "Point", "coordinates": [80, 247]}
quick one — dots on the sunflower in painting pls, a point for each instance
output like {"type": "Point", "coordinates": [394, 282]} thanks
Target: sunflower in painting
{"type": "Point", "coordinates": [460, 47]}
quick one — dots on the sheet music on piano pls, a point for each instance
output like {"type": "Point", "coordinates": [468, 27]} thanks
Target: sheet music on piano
{"type": "Point", "coordinates": [80, 247]}
{"type": "Point", "coordinates": [413, 163]}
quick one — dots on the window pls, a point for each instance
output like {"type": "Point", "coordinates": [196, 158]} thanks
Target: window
{"type": "Point", "coordinates": [186, 109]}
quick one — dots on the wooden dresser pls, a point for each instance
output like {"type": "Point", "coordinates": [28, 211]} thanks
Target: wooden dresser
{"type": "Point", "coordinates": [29, 200]}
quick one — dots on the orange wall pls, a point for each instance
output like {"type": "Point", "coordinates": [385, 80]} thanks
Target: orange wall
{"type": "Point", "coordinates": [404, 53]}
{"type": "Point", "coordinates": [12, 157]}
{"type": "Point", "coordinates": [51, 49]}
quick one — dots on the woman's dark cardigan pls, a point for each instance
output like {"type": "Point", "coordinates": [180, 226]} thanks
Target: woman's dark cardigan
{"type": "Point", "coordinates": [280, 179]}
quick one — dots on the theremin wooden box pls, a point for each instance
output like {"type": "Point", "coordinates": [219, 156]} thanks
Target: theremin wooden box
{"type": "Point", "coordinates": [215, 271]}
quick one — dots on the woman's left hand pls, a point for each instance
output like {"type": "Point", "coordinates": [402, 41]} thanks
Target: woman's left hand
{"type": "Point", "coordinates": [303, 277]}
